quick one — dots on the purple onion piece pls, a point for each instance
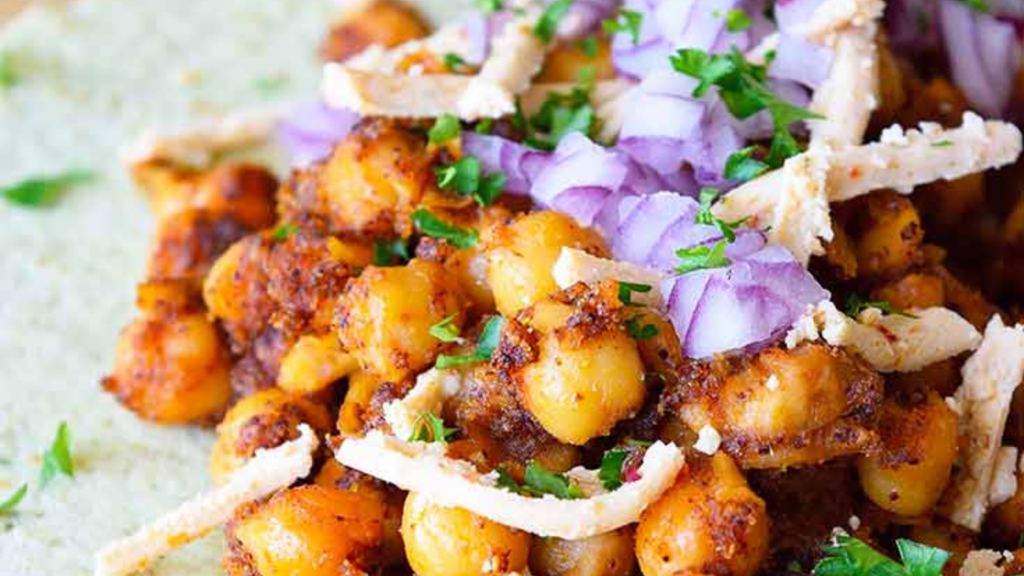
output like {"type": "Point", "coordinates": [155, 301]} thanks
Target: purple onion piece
{"type": "Point", "coordinates": [311, 130]}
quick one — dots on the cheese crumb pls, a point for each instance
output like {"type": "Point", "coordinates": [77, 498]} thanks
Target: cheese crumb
{"type": "Point", "coordinates": [772, 383]}
{"type": "Point", "coordinates": [854, 522]}
{"type": "Point", "coordinates": [708, 440]}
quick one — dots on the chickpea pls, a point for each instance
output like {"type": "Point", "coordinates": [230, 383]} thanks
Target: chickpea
{"type": "Point", "coordinates": [314, 363]}
{"type": "Point", "coordinates": [893, 236]}
{"type": "Point", "coordinates": [384, 317]}
{"type": "Point", "coordinates": [441, 541]}
{"type": "Point", "coordinates": [381, 22]}
{"type": "Point", "coordinates": [710, 522]}
{"type": "Point", "coordinates": [609, 554]}
{"type": "Point", "coordinates": [309, 530]}
{"type": "Point", "coordinates": [919, 448]}
{"type": "Point", "coordinates": [581, 386]}
{"type": "Point", "coordinates": [361, 387]}
{"type": "Point", "coordinates": [235, 290]}
{"type": "Point", "coordinates": [565, 62]}
{"type": "Point", "coordinates": [264, 420]}
{"type": "Point", "coordinates": [521, 254]}
{"type": "Point", "coordinates": [189, 242]}
{"type": "Point", "coordinates": [171, 365]}
{"type": "Point", "coordinates": [913, 291]}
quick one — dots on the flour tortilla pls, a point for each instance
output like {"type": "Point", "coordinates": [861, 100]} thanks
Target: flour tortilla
{"type": "Point", "coordinates": [94, 75]}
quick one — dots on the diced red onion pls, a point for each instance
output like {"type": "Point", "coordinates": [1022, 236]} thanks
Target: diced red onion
{"type": "Point", "coordinates": [801, 61]}
{"type": "Point", "coordinates": [791, 14]}
{"type": "Point", "coordinates": [519, 163]}
{"type": "Point", "coordinates": [311, 130]}
{"type": "Point", "coordinates": [984, 54]}
{"type": "Point", "coordinates": [585, 17]}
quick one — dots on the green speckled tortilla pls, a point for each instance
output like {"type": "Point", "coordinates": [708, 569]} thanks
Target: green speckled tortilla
{"type": "Point", "coordinates": [94, 75]}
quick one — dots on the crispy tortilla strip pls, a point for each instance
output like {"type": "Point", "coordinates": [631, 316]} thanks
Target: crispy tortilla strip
{"type": "Point", "coordinates": [433, 388]}
{"type": "Point", "coordinates": [517, 55]}
{"type": "Point", "coordinates": [267, 472]}
{"type": "Point", "coordinates": [800, 220]}
{"type": "Point", "coordinates": [575, 266]}
{"type": "Point", "coordinates": [450, 39]}
{"type": "Point", "coordinates": [913, 158]}
{"type": "Point", "coordinates": [423, 467]}
{"type": "Point", "coordinates": [198, 143]}
{"type": "Point", "coordinates": [850, 93]}
{"type": "Point", "coordinates": [890, 343]}
{"type": "Point", "coordinates": [990, 377]}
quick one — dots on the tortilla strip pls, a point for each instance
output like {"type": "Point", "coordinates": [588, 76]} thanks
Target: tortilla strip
{"type": "Point", "coordinates": [800, 219]}
{"type": "Point", "coordinates": [836, 15]}
{"type": "Point", "coordinates": [422, 467]}
{"type": "Point", "coordinates": [517, 55]}
{"type": "Point", "coordinates": [267, 472]}
{"type": "Point", "coordinates": [849, 95]}
{"type": "Point", "coordinates": [990, 377]}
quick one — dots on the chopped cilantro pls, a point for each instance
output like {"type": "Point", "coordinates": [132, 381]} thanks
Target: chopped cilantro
{"type": "Point", "coordinates": [626, 290]}
{"type": "Point", "coordinates": [640, 332]}
{"type": "Point", "coordinates": [737, 20]}
{"type": "Point", "coordinates": [57, 458]}
{"type": "Point", "coordinates": [434, 227]}
{"type": "Point", "coordinates": [848, 556]}
{"type": "Point", "coordinates": [741, 165]}
{"type": "Point", "coordinates": [610, 473]}
{"type": "Point", "coordinates": [539, 481]}
{"type": "Point", "coordinates": [547, 24]}
{"type": "Point", "coordinates": [707, 217]}
{"type": "Point", "coordinates": [560, 115]}
{"type": "Point", "coordinates": [942, 144]}
{"type": "Point", "coordinates": [283, 232]}
{"type": "Point", "coordinates": [8, 73]}
{"type": "Point", "coordinates": [702, 257]}
{"type": "Point", "coordinates": [977, 5]}
{"type": "Point", "coordinates": [445, 331]}
{"type": "Point", "coordinates": [490, 188]}
{"type": "Point", "coordinates": [465, 178]}
{"type": "Point", "coordinates": [489, 6]}
{"type": "Point", "coordinates": [590, 47]}
{"type": "Point", "coordinates": [490, 336]}
{"type": "Point", "coordinates": [794, 567]}
{"type": "Point", "coordinates": [269, 86]}
{"type": "Point", "coordinates": [855, 305]}
{"type": "Point", "coordinates": [627, 22]}
{"type": "Point", "coordinates": [431, 428]}
{"type": "Point", "coordinates": [484, 126]}
{"type": "Point", "coordinates": [445, 128]}
{"type": "Point", "coordinates": [8, 505]}
{"type": "Point", "coordinates": [44, 191]}
{"type": "Point", "coordinates": [453, 62]}
{"type": "Point", "coordinates": [390, 252]}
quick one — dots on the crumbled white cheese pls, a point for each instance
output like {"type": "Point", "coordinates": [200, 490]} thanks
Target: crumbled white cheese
{"type": "Point", "coordinates": [847, 97]}
{"type": "Point", "coordinates": [708, 440]}
{"type": "Point", "coordinates": [1004, 476]}
{"type": "Point", "coordinates": [575, 266]}
{"type": "Point", "coordinates": [982, 563]}
{"type": "Point", "coordinates": [800, 219]}
{"type": "Point", "coordinates": [772, 383]}
{"type": "Point", "coordinates": [433, 388]}
{"type": "Point", "coordinates": [421, 467]}
{"type": "Point", "coordinates": [854, 522]}
{"type": "Point", "coordinates": [990, 377]}
{"type": "Point", "coordinates": [890, 343]}
{"type": "Point", "coordinates": [267, 472]}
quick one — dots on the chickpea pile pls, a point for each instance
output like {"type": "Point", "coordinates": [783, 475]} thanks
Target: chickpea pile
{"type": "Point", "coordinates": [319, 299]}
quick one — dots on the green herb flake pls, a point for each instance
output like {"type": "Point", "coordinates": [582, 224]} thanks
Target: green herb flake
{"type": "Point", "coordinates": [453, 62]}
{"type": "Point", "coordinates": [626, 290]}
{"type": "Point", "coordinates": [488, 342]}
{"type": "Point", "coordinates": [590, 47]}
{"type": "Point", "coordinates": [942, 144]}
{"type": "Point", "coordinates": [45, 191]}
{"type": "Point", "coordinates": [741, 165]}
{"type": "Point", "coordinates": [627, 22]}
{"type": "Point", "coordinates": [390, 252]}
{"type": "Point", "coordinates": [560, 115]}
{"type": "Point", "coordinates": [270, 86]}
{"type": "Point", "coordinates": [737, 21]}
{"type": "Point", "coordinates": [462, 177]}
{"type": "Point", "coordinates": [640, 332]}
{"type": "Point", "coordinates": [610, 473]}
{"type": "Point", "coordinates": [57, 458]}
{"type": "Point", "coordinates": [8, 72]}
{"type": "Point", "coordinates": [489, 6]}
{"type": "Point", "coordinates": [485, 126]}
{"type": "Point", "coordinates": [702, 257]}
{"type": "Point", "coordinates": [706, 216]}
{"type": "Point", "coordinates": [490, 189]}
{"type": "Point", "coordinates": [434, 227]}
{"type": "Point", "coordinates": [538, 481]}
{"type": "Point", "coordinates": [283, 232]}
{"type": "Point", "coordinates": [848, 556]}
{"type": "Point", "coordinates": [977, 5]}
{"type": "Point", "coordinates": [446, 331]}
{"type": "Point", "coordinates": [855, 305]}
{"type": "Point", "coordinates": [547, 24]}
{"type": "Point", "coordinates": [431, 428]}
{"type": "Point", "coordinates": [8, 505]}
{"type": "Point", "coordinates": [445, 128]}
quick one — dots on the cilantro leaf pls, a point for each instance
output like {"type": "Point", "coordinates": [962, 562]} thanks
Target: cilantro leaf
{"type": "Point", "coordinates": [977, 5]}
{"type": "Point", "coordinates": [8, 505]}
{"type": "Point", "coordinates": [547, 24]}
{"type": "Point", "coordinates": [270, 86]}
{"type": "Point", "coordinates": [445, 331]}
{"type": "Point", "coordinates": [590, 47]}
{"type": "Point", "coordinates": [283, 232]}
{"type": "Point", "coordinates": [741, 165]}
{"type": "Point", "coordinates": [702, 258]}
{"type": "Point", "coordinates": [855, 305]}
{"type": "Point", "coordinates": [709, 69]}
{"type": "Point", "coordinates": [490, 188]}
{"type": "Point", "coordinates": [626, 21]}
{"type": "Point", "coordinates": [921, 560]}
{"type": "Point", "coordinates": [737, 20]}
{"type": "Point", "coordinates": [707, 217]}
{"type": "Point", "coordinates": [44, 191]}
{"type": "Point", "coordinates": [57, 458]}
{"type": "Point", "coordinates": [610, 473]}
{"type": "Point", "coordinates": [489, 6]}
{"type": "Point", "coordinates": [848, 556]}
{"type": "Point", "coordinates": [462, 176]}
{"type": "Point", "coordinates": [445, 128]}
{"type": "Point", "coordinates": [434, 227]}
{"type": "Point", "coordinates": [484, 126]}
{"type": "Point", "coordinates": [8, 72]}
{"type": "Point", "coordinates": [640, 332]}
{"type": "Point", "coordinates": [626, 290]}
{"type": "Point", "coordinates": [560, 115]}
{"type": "Point", "coordinates": [539, 481]}
{"type": "Point", "coordinates": [431, 428]}
{"type": "Point", "coordinates": [390, 252]}
{"type": "Point", "coordinates": [488, 342]}
{"type": "Point", "coordinates": [453, 62]}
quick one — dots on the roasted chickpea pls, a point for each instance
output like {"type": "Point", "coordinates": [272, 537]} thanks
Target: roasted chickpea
{"type": "Point", "coordinates": [381, 22]}
{"type": "Point", "coordinates": [1005, 522]}
{"type": "Point", "coordinates": [442, 541]}
{"type": "Point", "coordinates": [308, 531]}
{"type": "Point", "coordinates": [710, 522]}
{"type": "Point", "coordinates": [913, 291]}
{"type": "Point", "coordinates": [235, 291]}
{"type": "Point", "coordinates": [919, 448]}
{"type": "Point", "coordinates": [361, 387]}
{"type": "Point", "coordinates": [264, 420]}
{"type": "Point", "coordinates": [189, 242]}
{"type": "Point", "coordinates": [588, 374]}
{"type": "Point", "coordinates": [385, 316]}
{"type": "Point", "coordinates": [608, 554]}
{"type": "Point", "coordinates": [567, 60]}
{"type": "Point", "coordinates": [171, 365]}
{"type": "Point", "coordinates": [521, 254]}
{"type": "Point", "coordinates": [891, 237]}
{"type": "Point", "coordinates": [314, 363]}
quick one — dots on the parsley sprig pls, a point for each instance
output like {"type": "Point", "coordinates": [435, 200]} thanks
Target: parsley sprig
{"type": "Point", "coordinates": [743, 88]}
{"type": "Point", "coordinates": [741, 165]}
{"type": "Point", "coordinates": [434, 227]}
{"type": "Point", "coordinates": [431, 428]}
{"type": "Point", "coordinates": [626, 21]}
{"type": "Point", "coordinates": [855, 304]}
{"type": "Point", "coordinates": [486, 344]}
{"type": "Point", "coordinates": [848, 556]}
{"type": "Point", "coordinates": [57, 458]}
{"type": "Point", "coordinates": [539, 481]}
